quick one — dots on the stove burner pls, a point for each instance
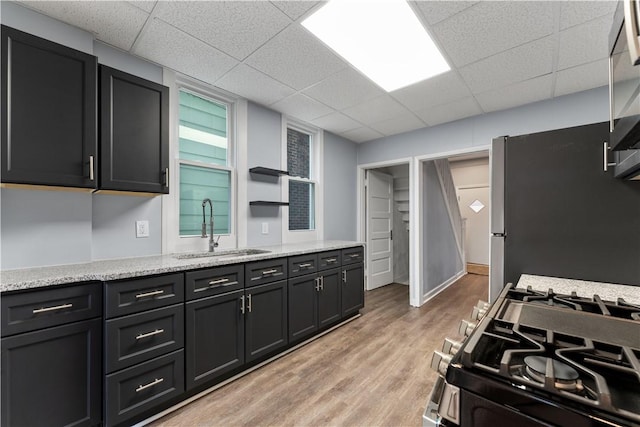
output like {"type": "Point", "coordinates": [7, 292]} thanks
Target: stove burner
{"type": "Point", "coordinates": [565, 377]}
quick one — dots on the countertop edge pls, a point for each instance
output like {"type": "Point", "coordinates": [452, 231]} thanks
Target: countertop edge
{"type": "Point", "coordinates": [126, 268]}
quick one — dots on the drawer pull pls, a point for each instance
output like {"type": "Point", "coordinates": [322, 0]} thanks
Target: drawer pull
{"type": "Point", "coordinates": [305, 265]}
{"type": "Point", "coordinates": [150, 294]}
{"type": "Point", "coordinates": [219, 282]}
{"type": "Point", "coordinates": [46, 309]}
{"type": "Point", "coordinates": [354, 255]}
{"type": "Point", "coordinates": [331, 260]}
{"type": "Point", "coordinates": [273, 270]}
{"type": "Point", "coordinates": [150, 334]}
{"type": "Point", "coordinates": [151, 384]}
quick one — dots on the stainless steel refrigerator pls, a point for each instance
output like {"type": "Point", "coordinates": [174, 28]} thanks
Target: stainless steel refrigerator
{"type": "Point", "coordinates": [556, 212]}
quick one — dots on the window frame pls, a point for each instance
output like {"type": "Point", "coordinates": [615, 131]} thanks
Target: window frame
{"type": "Point", "coordinates": [174, 242]}
{"type": "Point", "coordinates": [315, 177]}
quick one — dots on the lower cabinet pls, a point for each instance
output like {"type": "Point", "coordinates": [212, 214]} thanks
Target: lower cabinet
{"type": "Point", "coordinates": [314, 302]}
{"type": "Point", "coordinates": [214, 337]}
{"type": "Point", "coordinates": [52, 377]}
{"type": "Point", "coordinates": [266, 319]}
{"type": "Point", "coordinates": [352, 289]}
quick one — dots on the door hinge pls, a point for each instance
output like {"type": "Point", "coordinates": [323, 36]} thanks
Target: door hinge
{"type": "Point", "coordinates": [391, 234]}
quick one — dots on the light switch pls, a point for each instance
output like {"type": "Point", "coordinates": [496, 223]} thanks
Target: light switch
{"type": "Point", "coordinates": [142, 229]}
{"type": "Point", "coordinates": [265, 228]}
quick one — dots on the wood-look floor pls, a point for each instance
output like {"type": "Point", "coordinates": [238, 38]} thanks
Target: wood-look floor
{"type": "Point", "coordinates": [373, 371]}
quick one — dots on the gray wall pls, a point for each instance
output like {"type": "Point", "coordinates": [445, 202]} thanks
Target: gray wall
{"type": "Point", "coordinates": [340, 188]}
{"type": "Point", "coordinates": [440, 257]}
{"type": "Point", "coordinates": [566, 111]}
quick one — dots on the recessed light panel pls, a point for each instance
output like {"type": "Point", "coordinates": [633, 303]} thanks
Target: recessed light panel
{"type": "Point", "coordinates": [382, 38]}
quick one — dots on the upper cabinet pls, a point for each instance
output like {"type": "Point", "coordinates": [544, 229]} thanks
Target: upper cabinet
{"type": "Point", "coordinates": [134, 133]}
{"type": "Point", "coordinates": [48, 112]}
{"type": "Point", "coordinates": [50, 127]}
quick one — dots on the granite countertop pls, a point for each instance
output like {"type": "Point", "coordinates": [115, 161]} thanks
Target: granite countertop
{"type": "Point", "coordinates": [13, 280]}
{"type": "Point", "coordinates": [583, 288]}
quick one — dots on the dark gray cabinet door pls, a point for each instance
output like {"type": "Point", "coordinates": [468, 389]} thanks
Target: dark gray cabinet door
{"type": "Point", "coordinates": [352, 289]}
{"type": "Point", "coordinates": [48, 112]}
{"type": "Point", "coordinates": [134, 133]}
{"type": "Point", "coordinates": [52, 377]}
{"type": "Point", "coordinates": [266, 319]}
{"type": "Point", "coordinates": [214, 337]}
{"type": "Point", "coordinates": [329, 298]}
{"type": "Point", "coordinates": [303, 307]}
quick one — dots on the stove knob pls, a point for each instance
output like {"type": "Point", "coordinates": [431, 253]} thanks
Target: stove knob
{"type": "Point", "coordinates": [440, 362]}
{"type": "Point", "coordinates": [451, 346]}
{"type": "Point", "coordinates": [466, 328]}
{"type": "Point", "coordinates": [478, 313]}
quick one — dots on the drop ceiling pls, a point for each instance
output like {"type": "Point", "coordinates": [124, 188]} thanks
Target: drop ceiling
{"type": "Point", "coordinates": [503, 54]}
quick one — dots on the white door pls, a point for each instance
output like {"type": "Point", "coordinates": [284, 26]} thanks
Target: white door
{"type": "Point", "coordinates": [379, 226]}
{"type": "Point", "coordinates": [474, 207]}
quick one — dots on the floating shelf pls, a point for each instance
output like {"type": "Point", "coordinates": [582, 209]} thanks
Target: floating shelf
{"type": "Point", "coordinates": [268, 171]}
{"type": "Point", "coordinates": [266, 203]}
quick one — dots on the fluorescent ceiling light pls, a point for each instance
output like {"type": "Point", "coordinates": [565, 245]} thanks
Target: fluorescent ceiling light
{"type": "Point", "coordinates": [382, 38]}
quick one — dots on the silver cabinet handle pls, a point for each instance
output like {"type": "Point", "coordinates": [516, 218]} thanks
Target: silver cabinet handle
{"type": "Point", "coordinates": [249, 303]}
{"type": "Point", "coordinates": [322, 283]}
{"type": "Point", "coordinates": [273, 270]}
{"type": "Point", "coordinates": [46, 309]}
{"type": "Point", "coordinates": [166, 177]}
{"type": "Point", "coordinates": [605, 157]}
{"type": "Point", "coordinates": [91, 173]}
{"type": "Point", "coordinates": [354, 255]}
{"type": "Point", "coordinates": [219, 281]}
{"type": "Point", "coordinates": [242, 304]}
{"type": "Point", "coordinates": [344, 276]}
{"type": "Point", "coordinates": [317, 280]}
{"type": "Point", "coordinates": [305, 265]}
{"type": "Point", "coordinates": [150, 334]}
{"type": "Point", "coordinates": [331, 260]}
{"type": "Point", "coordinates": [151, 384]}
{"type": "Point", "coordinates": [150, 294]}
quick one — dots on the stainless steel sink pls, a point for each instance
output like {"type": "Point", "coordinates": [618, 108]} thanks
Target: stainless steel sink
{"type": "Point", "coordinates": [222, 254]}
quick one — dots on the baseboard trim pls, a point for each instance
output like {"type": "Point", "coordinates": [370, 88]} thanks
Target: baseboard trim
{"type": "Point", "coordinates": [434, 292]}
{"type": "Point", "coordinates": [240, 375]}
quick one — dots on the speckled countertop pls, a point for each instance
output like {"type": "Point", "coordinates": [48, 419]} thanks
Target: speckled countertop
{"type": "Point", "coordinates": [583, 288]}
{"type": "Point", "coordinates": [13, 280]}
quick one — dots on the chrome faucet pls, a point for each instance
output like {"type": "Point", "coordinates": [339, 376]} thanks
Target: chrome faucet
{"type": "Point", "coordinates": [212, 243]}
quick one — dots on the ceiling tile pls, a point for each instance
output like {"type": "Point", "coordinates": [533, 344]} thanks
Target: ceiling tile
{"type": "Point", "coordinates": [582, 77]}
{"type": "Point", "coordinates": [302, 107]}
{"type": "Point", "coordinates": [376, 110]}
{"type": "Point", "coordinates": [146, 5]}
{"type": "Point", "coordinates": [574, 13]}
{"type": "Point", "coordinates": [336, 123]}
{"type": "Point", "coordinates": [456, 110]}
{"type": "Point", "coordinates": [114, 22]}
{"type": "Point", "coordinates": [361, 134]}
{"type": "Point", "coordinates": [493, 26]}
{"type": "Point", "coordinates": [296, 58]}
{"type": "Point", "coordinates": [235, 27]}
{"type": "Point", "coordinates": [518, 64]}
{"type": "Point", "coordinates": [344, 89]}
{"type": "Point", "coordinates": [166, 45]}
{"type": "Point", "coordinates": [294, 8]}
{"type": "Point", "coordinates": [252, 84]}
{"type": "Point", "coordinates": [584, 43]}
{"type": "Point", "coordinates": [518, 94]}
{"type": "Point", "coordinates": [436, 11]}
{"type": "Point", "coordinates": [440, 89]}
{"type": "Point", "coordinates": [405, 123]}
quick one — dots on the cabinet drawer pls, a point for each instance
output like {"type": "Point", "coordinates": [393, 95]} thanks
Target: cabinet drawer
{"type": "Point", "coordinates": [136, 295]}
{"type": "Point", "coordinates": [136, 390]}
{"type": "Point", "coordinates": [327, 260]}
{"type": "Point", "coordinates": [139, 337]}
{"type": "Point", "coordinates": [352, 255]}
{"type": "Point", "coordinates": [261, 272]}
{"type": "Point", "coordinates": [39, 309]}
{"type": "Point", "coordinates": [303, 264]}
{"type": "Point", "coordinates": [213, 281]}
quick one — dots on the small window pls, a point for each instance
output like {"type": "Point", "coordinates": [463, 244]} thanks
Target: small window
{"type": "Point", "coordinates": [301, 180]}
{"type": "Point", "coordinates": [205, 166]}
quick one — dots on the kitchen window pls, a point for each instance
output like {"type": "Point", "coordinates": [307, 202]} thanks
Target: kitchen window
{"type": "Point", "coordinates": [302, 147]}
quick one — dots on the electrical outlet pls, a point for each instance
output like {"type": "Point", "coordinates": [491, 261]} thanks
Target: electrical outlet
{"type": "Point", "coordinates": [142, 228]}
{"type": "Point", "coordinates": [265, 228]}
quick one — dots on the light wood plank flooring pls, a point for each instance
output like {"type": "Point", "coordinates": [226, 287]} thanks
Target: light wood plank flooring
{"type": "Point", "coordinates": [373, 371]}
